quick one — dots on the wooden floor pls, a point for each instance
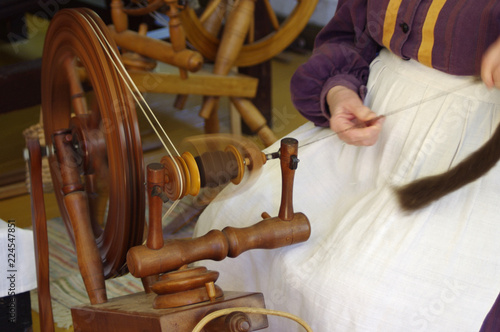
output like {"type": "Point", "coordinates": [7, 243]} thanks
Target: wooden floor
{"type": "Point", "coordinates": [14, 198]}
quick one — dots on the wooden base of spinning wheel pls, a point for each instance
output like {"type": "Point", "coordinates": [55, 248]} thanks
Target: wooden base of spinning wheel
{"type": "Point", "coordinates": [134, 313]}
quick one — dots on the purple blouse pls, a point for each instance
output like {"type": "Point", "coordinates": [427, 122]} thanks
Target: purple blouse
{"type": "Point", "coordinates": [449, 35]}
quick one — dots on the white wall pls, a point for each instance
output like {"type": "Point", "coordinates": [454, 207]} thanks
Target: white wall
{"type": "Point", "coordinates": [323, 13]}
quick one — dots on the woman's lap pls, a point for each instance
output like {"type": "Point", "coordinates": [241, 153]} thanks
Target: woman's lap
{"type": "Point", "coordinates": [368, 265]}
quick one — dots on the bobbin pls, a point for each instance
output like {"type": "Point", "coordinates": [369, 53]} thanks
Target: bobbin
{"type": "Point", "coordinates": [186, 174]}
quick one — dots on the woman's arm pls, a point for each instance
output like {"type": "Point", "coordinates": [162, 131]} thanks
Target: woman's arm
{"type": "Point", "coordinates": [341, 57]}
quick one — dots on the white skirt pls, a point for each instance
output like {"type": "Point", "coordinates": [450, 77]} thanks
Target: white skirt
{"type": "Point", "coordinates": [368, 265]}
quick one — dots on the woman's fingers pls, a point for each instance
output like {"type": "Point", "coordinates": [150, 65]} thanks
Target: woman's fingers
{"type": "Point", "coordinates": [354, 123]}
{"type": "Point", "coordinates": [365, 136]}
{"type": "Point", "coordinates": [490, 66]}
{"type": "Point", "coordinates": [360, 127]}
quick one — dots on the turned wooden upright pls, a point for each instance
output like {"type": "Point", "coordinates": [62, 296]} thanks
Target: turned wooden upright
{"type": "Point", "coordinates": [176, 54]}
{"type": "Point", "coordinates": [40, 235]}
{"type": "Point", "coordinates": [232, 41]}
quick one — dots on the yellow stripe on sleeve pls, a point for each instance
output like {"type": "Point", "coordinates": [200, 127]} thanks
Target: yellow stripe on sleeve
{"type": "Point", "coordinates": [391, 16]}
{"type": "Point", "coordinates": [425, 50]}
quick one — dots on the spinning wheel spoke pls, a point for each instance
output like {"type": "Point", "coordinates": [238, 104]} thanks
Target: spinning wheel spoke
{"type": "Point", "coordinates": [272, 15]}
{"type": "Point", "coordinates": [212, 6]}
{"type": "Point", "coordinates": [77, 94]}
{"type": "Point", "coordinates": [251, 31]}
{"type": "Point", "coordinates": [212, 18]}
{"type": "Point", "coordinates": [98, 202]}
{"type": "Point", "coordinates": [95, 113]}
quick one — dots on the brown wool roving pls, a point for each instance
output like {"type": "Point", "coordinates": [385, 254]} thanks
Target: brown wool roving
{"type": "Point", "coordinates": [422, 192]}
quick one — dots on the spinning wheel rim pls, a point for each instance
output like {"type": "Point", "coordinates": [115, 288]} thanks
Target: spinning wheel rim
{"type": "Point", "coordinates": [258, 51]}
{"type": "Point", "coordinates": [73, 34]}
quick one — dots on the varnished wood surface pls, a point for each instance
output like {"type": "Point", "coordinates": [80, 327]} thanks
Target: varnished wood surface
{"type": "Point", "coordinates": [156, 180]}
{"type": "Point", "coordinates": [18, 208]}
{"type": "Point", "coordinates": [40, 236]}
{"type": "Point", "coordinates": [125, 217]}
{"type": "Point", "coordinates": [285, 117]}
{"type": "Point", "coordinates": [134, 313]}
{"type": "Point", "coordinates": [254, 120]}
{"type": "Point", "coordinates": [157, 49]}
{"type": "Point", "coordinates": [232, 41]}
{"type": "Point", "coordinates": [289, 163]}
{"type": "Point", "coordinates": [199, 83]}
{"type": "Point", "coordinates": [216, 245]}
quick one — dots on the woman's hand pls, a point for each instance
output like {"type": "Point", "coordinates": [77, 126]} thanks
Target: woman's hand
{"type": "Point", "coordinates": [490, 66]}
{"type": "Point", "coordinates": [350, 119]}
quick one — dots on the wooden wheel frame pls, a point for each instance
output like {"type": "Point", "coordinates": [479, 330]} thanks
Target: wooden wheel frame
{"type": "Point", "coordinates": [257, 51]}
{"type": "Point", "coordinates": [74, 37]}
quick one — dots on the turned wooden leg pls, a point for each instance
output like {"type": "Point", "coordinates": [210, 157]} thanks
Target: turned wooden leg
{"type": "Point", "coordinates": [178, 40]}
{"type": "Point", "coordinates": [254, 120]}
{"type": "Point", "coordinates": [118, 16]}
{"type": "Point", "coordinates": [212, 124]}
{"type": "Point", "coordinates": [234, 35]}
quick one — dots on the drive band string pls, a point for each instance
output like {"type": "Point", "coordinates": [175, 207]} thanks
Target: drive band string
{"type": "Point", "coordinates": [140, 101]}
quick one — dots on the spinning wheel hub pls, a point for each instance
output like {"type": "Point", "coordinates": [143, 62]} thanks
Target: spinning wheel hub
{"type": "Point", "coordinates": [88, 142]}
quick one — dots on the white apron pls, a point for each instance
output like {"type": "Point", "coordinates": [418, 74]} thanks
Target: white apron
{"type": "Point", "coordinates": [368, 265]}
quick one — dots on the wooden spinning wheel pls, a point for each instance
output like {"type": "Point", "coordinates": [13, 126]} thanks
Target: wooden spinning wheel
{"type": "Point", "coordinates": [202, 31]}
{"type": "Point", "coordinates": [100, 154]}
{"type": "Point", "coordinates": [95, 158]}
